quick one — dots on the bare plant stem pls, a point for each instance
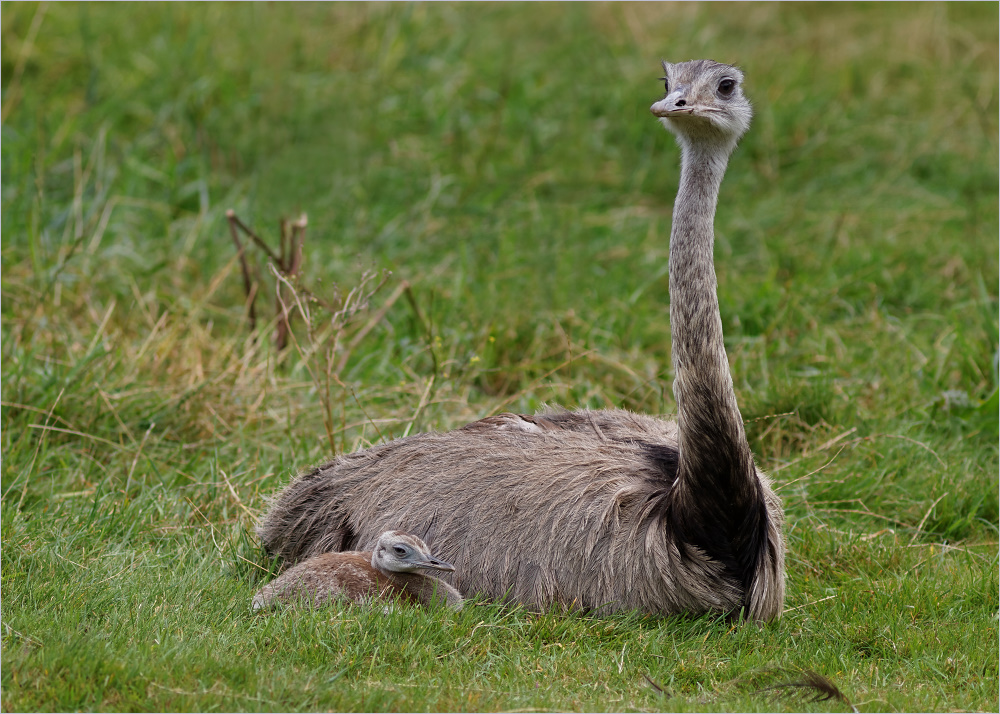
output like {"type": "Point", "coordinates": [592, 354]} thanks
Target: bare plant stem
{"type": "Point", "coordinates": [325, 376]}
{"type": "Point", "coordinates": [292, 238]}
{"type": "Point", "coordinates": [248, 286]}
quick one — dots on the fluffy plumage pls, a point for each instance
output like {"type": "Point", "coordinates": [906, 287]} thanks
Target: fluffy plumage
{"type": "Point", "coordinates": [389, 571]}
{"type": "Point", "coordinates": [603, 510]}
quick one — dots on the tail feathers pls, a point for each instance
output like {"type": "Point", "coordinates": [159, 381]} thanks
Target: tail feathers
{"type": "Point", "coordinates": [814, 687]}
{"type": "Point", "coordinates": [807, 686]}
{"type": "Point", "coordinates": [298, 521]}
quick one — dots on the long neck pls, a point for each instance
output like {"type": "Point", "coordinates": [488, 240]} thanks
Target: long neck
{"type": "Point", "coordinates": [714, 454]}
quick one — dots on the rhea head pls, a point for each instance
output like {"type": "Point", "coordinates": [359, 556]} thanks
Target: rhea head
{"type": "Point", "coordinates": [403, 553]}
{"type": "Point", "coordinates": [704, 102]}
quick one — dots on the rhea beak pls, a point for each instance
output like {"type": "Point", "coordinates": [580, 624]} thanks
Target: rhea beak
{"type": "Point", "coordinates": [672, 105]}
{"type": "Point", "coordinates": [432, 563]}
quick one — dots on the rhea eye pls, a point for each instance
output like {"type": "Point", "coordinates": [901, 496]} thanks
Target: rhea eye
{"type": "Point", "coordinates": [666, 84]}
{"type": "Point", "coordinates": [399, 550]}
{"type": "Point", "coordinates": [727, 86]}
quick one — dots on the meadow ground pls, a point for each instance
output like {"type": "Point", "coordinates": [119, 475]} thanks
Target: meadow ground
{"type": "Point", "coordinates": [496, 166]}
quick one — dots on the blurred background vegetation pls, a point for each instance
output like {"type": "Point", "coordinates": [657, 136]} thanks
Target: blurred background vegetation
{"type": "Point", "coordinates": [500, 160]}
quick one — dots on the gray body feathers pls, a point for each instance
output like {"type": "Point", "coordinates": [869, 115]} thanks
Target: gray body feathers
{"type": "Point", "coordinates": [603, 510]}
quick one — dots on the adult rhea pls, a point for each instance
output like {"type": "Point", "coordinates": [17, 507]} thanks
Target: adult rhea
{"type": "Point", "coordinates": [605, 510]}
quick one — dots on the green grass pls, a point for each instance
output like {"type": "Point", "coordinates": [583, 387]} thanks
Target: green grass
{"type": "Point", "coordinates": [502, 161]}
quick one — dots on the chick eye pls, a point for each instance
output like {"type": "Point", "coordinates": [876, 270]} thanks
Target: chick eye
{"type": "Point", "coordinates": [726, 87]}
{"type": "Point", "coordinates": [666, 84]}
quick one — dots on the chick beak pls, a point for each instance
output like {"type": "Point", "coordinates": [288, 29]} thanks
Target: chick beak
{"type": "Point", "coordinates": [432, 563]}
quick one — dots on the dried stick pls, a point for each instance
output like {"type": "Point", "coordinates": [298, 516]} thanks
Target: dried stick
{"type": "Point", "coordinates": [253, 236]}
{"type": "Point", "coordinates": [292, 237]}
{"type": "Point", "coordinates": [247, 282]}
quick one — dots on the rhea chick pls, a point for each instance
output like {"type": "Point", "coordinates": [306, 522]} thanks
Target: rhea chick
{"type": "Point", "coordinates": [390, 571]}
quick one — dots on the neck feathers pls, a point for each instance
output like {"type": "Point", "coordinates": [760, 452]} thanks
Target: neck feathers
{"type": "Point", "coordinates": [714, 454]}
{"type": "Point", "coordinates": [426, 589]}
